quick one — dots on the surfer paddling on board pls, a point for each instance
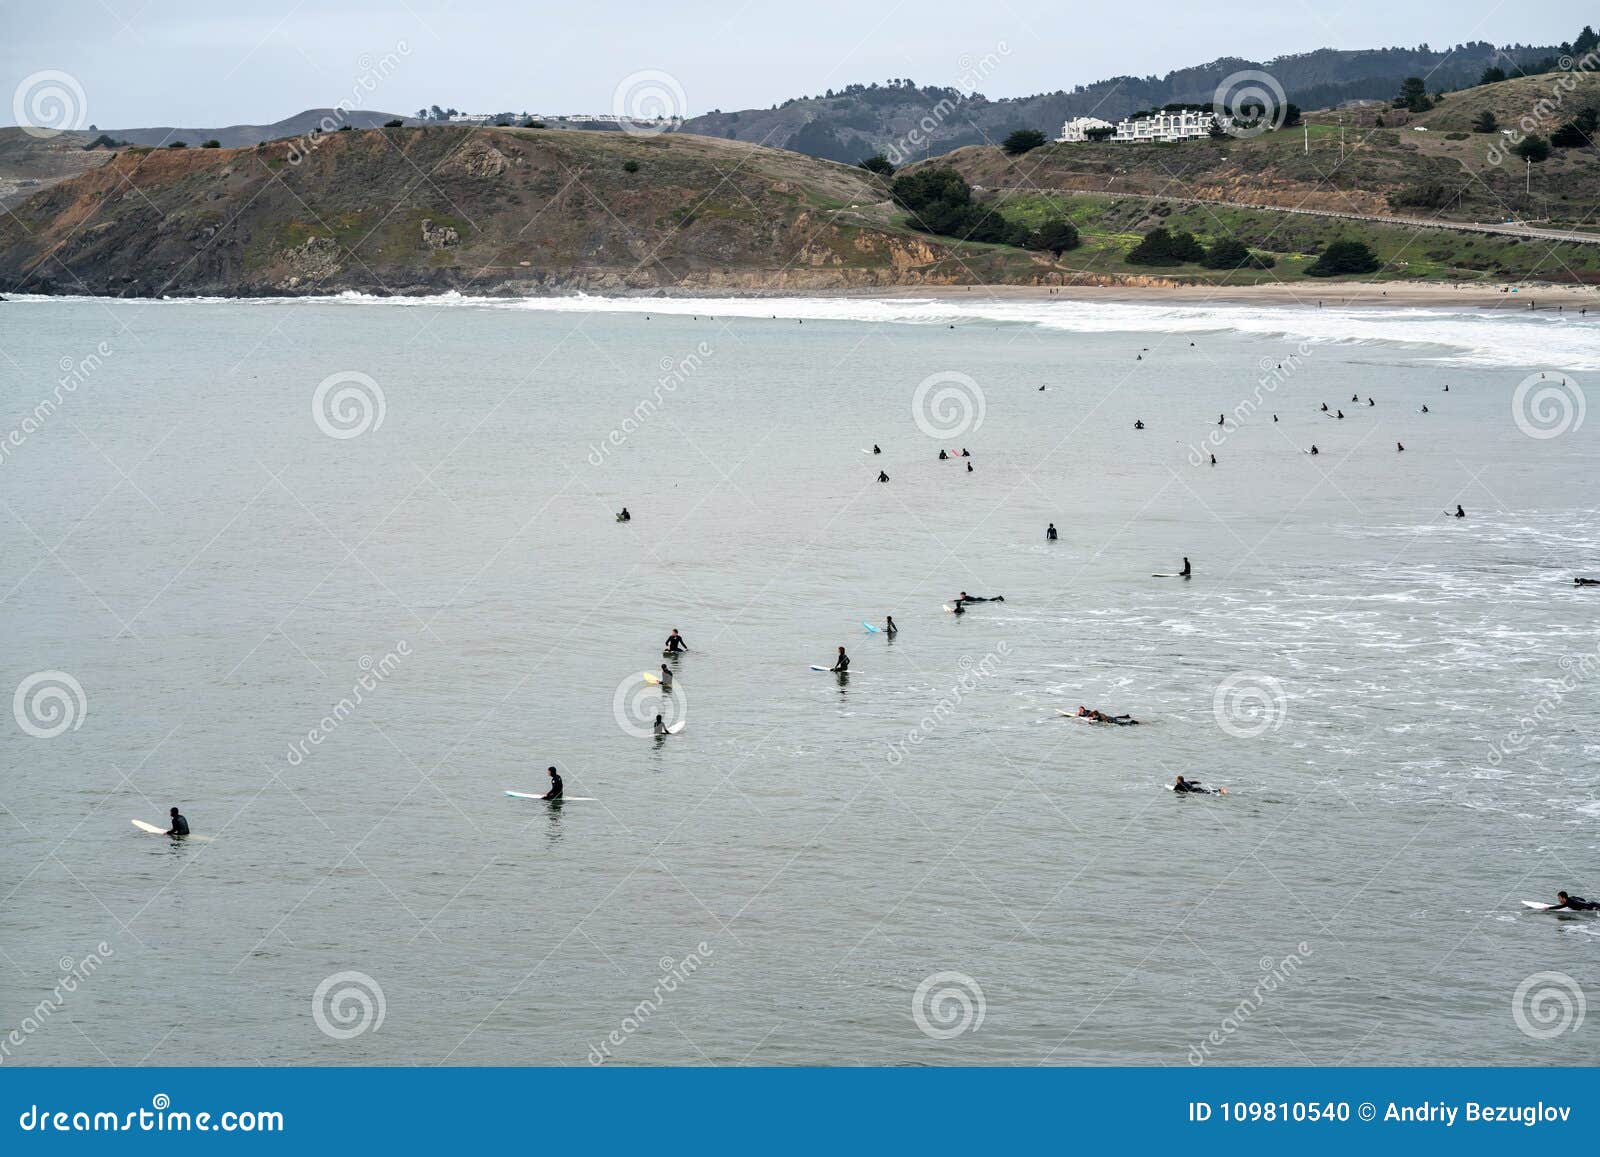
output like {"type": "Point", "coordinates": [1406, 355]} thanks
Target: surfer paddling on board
{"type": "Point", "coordinates": [675, 642]}
{"type": "Point", "coordinates": [555, 785]}
{"type": "Point", "coordinates": [1192, 786]}
{"type": "Point", "coordinates": [1575, 903]}
{"type": "Point", "coordinates": [841, 665]}
{"type": "Point", "coordinates": [966, 598]}
{"type": "Point", "coordinates": [180, 826]}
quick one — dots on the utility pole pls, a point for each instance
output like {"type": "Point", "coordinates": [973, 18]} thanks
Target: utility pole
{"type": "Point", "coordinates": [1527, 179]}
{"type": "Point", "coordinates": [1307, 128]}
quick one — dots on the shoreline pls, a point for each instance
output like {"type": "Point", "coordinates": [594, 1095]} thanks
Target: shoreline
{"type": "Point", "coordinates": [1499, 296]}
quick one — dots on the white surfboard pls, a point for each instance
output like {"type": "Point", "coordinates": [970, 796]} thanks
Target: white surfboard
{"type": "Point", "coordinates": [814, 667]}
{"type": "Point", "coordinates": [1540, 906]}
{"type": "Point", "coordinates": [677, 728]}
{"type": "Point", "coordinates": [155, 831]}
{"type": "Point", "coordinates": [558, 799]}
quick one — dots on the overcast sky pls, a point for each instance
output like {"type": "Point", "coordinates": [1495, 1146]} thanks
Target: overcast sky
{"type": "Point", "coordinates": [215, 62]}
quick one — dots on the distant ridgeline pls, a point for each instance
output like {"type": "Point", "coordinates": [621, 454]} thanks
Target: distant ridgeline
{"type": "Point", "coordinates": [908, 122]}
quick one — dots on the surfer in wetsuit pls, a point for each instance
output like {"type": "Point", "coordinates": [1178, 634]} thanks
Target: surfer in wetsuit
{"type": "Point", "coordinates": [876, 449]}
{"type": "Point", "coordinates": [943, 455]}
{"type": "Point", "coordinates": [624, 516]}
{"type": "Point", "coordinates": [1575, 903]}
{"type": "Point", "coordinates": [1586, 582]}
{"type": "Point", "coordinates": [555, 785]}
{"type": "Point", "coordinates": [1187, 569]}
{"type": "Point", "coordinates": [888, 627]}
{"type": "Point", "coordinates": [661, 728]}
{"type": "Point", "coordinates": [882, 477]}
{"type": "Point", "coordinates": [666, 678]}
{"type": "Point", "coordinates": [1459, 512]}
{"type": "Point", "coordinates": [1182, 785]}
{"type": "Point", "coordinates": [1050, 532]}
{"type": "Point", "coordinates": [675, 642]}
{"type": "Point", "coordinates": [842, 663]}
{"type": "Point", "coordinates": [1138, 424]}
{"type": "Point", "coordinates": [1314, 449]}
{"type": "Point", "coordinates": [959, 609]}
{"type": "Point", "coordinates": [180, 826]}
{"type": "Point", "coordinates": [1424, 407]}
{"type": "Point", "coordinates": [969, 467]}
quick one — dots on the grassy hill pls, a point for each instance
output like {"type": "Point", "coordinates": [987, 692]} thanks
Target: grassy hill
{"type": "Point", "coordinates": [410, 210]}
{"type": "Point", "coordinates": [29, 163]}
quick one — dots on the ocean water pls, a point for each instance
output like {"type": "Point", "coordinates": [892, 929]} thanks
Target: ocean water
{"type": "Point", "coordinates": [336, 622]}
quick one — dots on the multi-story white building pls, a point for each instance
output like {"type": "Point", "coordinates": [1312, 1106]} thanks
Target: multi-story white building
{"type": "Point", "coordinates": [1077, 129]}
{"type": "Point", "coordinates": [1178, 125]}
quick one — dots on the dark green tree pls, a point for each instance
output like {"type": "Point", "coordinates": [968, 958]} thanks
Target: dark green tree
{"type": "Point", "coordinates": [877, 163]}
{"type": "Point", "coordinates": [213, 143]}
{"type": "Point", "coordinates": [394, 124]}
{"type": "Point", "coordinates": [1344, 257]}
{"type": "Point", "coordinates": [1485, 122]}
{"type": "Point", "coordinates": [1413, 95]}
{"type": "Point", "coordinates": [1161, 247]}
{"type": "Point", "coordinates": [1022, 141]}
{"type": "Point", "coordinates": [1492, 75]}
{"type": "Point", "coordinates": [1055, 236]}
{"type": "Point", "coordinates": [1532, 148]}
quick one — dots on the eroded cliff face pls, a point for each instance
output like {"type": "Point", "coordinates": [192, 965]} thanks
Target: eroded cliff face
{"type": "Point", "coordinates": [488, 212]}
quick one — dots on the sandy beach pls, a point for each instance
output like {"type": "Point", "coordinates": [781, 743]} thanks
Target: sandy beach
{"type": "Point", "coordinates": [1490, 295]}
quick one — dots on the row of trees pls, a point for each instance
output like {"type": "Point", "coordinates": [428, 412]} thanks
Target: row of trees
{"type": "Point", "coordinates": [1176, 247]}
{"type": "Point", "coordinates": [940, 201]}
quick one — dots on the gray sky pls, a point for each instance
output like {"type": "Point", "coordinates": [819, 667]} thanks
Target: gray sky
{"type": "Point", "coordinates": [194, 63]}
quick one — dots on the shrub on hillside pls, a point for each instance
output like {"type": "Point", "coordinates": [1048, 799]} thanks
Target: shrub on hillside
{"type": "Point", "coordinates": [1161, 247]}
{"type": "Point", "coordinates": [1055, 236]}
{"type": "Point", "coordinates": [1228, 253]}
{"type": "Point", "coordinates": [1022, 141]}
{"type": "Point", "coordinates": [1344, 257]}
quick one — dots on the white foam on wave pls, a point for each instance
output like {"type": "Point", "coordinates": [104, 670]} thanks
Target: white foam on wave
{"type": "Point", "coordinates": [1452, 336]}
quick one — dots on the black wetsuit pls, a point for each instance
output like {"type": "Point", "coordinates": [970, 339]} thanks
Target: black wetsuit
{"type": "Point", "coordinates": [675, 644]}
{"type": "Point", "coordinates": [1579, 904]}
{"type": "Point", "coordinates": [180, 826]}
{"type": "Point", "coordinates": [555, 788]}
{"type": "Point", "coordinates": [1191, 785]}
{"type": "Point", "coordinates": [843, 664]}
{"type": "Point", "coordinates": [1051, 534]}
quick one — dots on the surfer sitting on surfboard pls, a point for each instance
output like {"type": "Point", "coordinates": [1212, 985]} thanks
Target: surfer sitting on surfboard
{"type": "Point", "coordinates": [1575, 903]}
{"type": "Point", "coordinates": [675, 642]}
{"type": "Point", "coordinates": [624, 516]}
{"type": "Point", "coordinates": [180, 826]}
{"type": "Point", "coordinates": [555, 786]}
{"type": "Point", "coordinates": [1193, 786]}
{"type": "Point", "coordinates": [842, 663]}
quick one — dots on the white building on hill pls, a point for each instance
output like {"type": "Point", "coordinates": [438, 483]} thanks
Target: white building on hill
{"type": "Point", "coordinates": [1178, 125]}
{"type": "Point", "coordinates": [1077, 129]}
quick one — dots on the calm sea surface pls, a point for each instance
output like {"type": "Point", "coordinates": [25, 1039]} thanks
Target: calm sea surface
{"type": "Point", "coordinates": [336, 653]}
